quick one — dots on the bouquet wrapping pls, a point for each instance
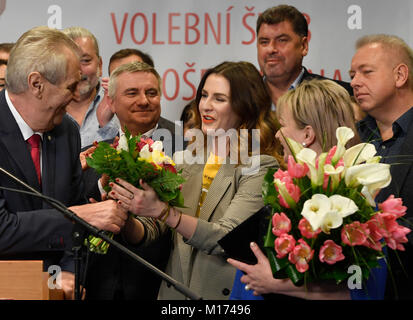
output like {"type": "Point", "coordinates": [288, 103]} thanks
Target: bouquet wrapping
{"type": "Point", "coordinates": [324, 216]}
{"type": "Point", "coordinates": [133, 158]}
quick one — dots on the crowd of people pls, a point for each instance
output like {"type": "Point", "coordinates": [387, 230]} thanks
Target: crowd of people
{"type": "Point", "coordinates": [55, 106]}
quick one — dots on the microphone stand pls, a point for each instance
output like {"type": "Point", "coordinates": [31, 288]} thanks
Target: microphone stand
{"type": "Point", "coordinates": [101, 234]}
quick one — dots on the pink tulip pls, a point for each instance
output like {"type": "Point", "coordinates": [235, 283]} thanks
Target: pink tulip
{"type": "Point", "coordinates": [283, 176]}
{"type": "Point", "coordinates": [281, 224]}
{"type": "Point", "coordinates": [296, 170]}
{"type": "Point", "coordinates": [306, 229]}
{"type": "Point", "coordinates": [355, 233]}
{"type": "Point", "coordinates": [398, 237]}
{"type": "Point", "coordinates": [301, 255]}
{"type": "Point", "coordinates": [294, 192]}
{"type": "Point", "coordinates": [330, 252]}
{"type": "Point", "coordinates": [393, 205]}
{"type": "Point", "coordinates": [283, 245]}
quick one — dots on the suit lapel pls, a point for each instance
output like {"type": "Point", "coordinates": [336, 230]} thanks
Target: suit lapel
{"type": "Point", "coordinates": [217, 190]}
{"type": "Point", "coordinates": [192, 187]}
{"type": "Point", "coordinates": [15, 145]}
{"type": "Point", "coordinates": [49, 164]}
{"type": "Point", "coordinates": [22, 165]}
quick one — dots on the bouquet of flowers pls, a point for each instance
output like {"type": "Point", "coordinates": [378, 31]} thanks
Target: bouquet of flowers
{"type": "Point", "coordinates": [132, 158]}
{"type": "Point", "coordinates": [324, 215]}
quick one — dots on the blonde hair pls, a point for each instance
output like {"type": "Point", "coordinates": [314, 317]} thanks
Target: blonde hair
{"type": "Point", "coordinates": [79, 32]}
{"type": "Point", "coordinates": [132, 67]}
{"type": "Point", "coordinates": [42, 50]}
{"type": "Point", "coordinates": [395, 44]}
{"type": "Point", "coordinates": [322, 104]}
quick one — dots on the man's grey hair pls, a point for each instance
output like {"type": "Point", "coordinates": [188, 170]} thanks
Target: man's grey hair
{"type": "Point", "coordinates": [79, 32]}
{"type": "Point", "coordinates": [42, 50]}
{"type": "Point", "coordinates": [132, 67]}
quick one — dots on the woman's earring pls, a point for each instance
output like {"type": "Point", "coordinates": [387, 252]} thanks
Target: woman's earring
{"type": "Point", "coordinates": [304, 144]}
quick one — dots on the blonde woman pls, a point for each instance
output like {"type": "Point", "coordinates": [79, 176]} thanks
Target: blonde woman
{"type": "Point", "coordinates": [309, 114]}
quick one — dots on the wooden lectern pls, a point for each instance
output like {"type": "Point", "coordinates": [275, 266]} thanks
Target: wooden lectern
{"type": "Point", "coordinates": [25, 280]}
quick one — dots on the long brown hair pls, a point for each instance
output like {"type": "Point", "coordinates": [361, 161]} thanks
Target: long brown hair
{"type": "Point", "coordinates": [249, 100]}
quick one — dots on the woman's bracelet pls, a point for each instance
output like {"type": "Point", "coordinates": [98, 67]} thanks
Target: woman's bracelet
{"type": "Point", "coordinates": [165, 213]}
{"type": "Point", "coordinates": [179, 221]}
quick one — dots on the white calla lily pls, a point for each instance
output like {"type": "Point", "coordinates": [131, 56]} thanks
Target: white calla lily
{"type": "Point", "coordinates": [315, 209]}
{"type": "Point", "coordinates": [294, 146]}
{"type": "Point", "coordinates": [343, 134]}
{"type": "Point", "coordinates": [308, 156]}
{"type": "Point", "coordinates": [373, 177]}
{"type": "Point", "coordinates": [359, 153]}
{"type": "Point", "coordinates": [343, 205]}
{"type": "Point", "coordinates": [122, 143]}
{"type": "Point", "coordinates": [334, 174]}
{"type": "Point", "coordinates": [332, 219]}
{"type": "Point", "coordinates": [327, 212]}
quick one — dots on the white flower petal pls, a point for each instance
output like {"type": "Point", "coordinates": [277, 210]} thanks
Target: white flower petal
{"type": "Point", "coordinates": [358, 154]}
{"type": "Point", "coordinates": [343, 205]}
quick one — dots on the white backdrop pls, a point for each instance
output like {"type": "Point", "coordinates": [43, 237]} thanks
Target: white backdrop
{"type": "Point", "coordinates": [185, 37]}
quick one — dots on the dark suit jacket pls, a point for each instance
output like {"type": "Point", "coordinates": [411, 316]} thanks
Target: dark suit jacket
{"type": "Point", "coordinates": [402, 187]}
{"type": "Point", "coordinates": [308, 76]}
{"type": "Point", "coordinates": [116, 276]}
{"type": "Point", "coordinates": [29, 228]}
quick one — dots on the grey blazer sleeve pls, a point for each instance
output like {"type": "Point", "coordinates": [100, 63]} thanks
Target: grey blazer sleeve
{"type": "Point", "coordinates": [246, 200]}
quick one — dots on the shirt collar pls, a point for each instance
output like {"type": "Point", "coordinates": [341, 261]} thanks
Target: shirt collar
{"type": "Point", "coordinates": [26, 131]}
{"type": "Point", "coordinates": [297, 81]}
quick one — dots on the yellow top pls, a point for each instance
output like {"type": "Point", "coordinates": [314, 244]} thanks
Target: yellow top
{"type": "Point", "coordinates": [210, 171]}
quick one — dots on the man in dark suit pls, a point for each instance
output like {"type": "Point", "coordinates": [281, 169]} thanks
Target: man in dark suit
{"type": "Point", "coordinates": [383, 87]}
{"type": "Point", "coordinates": [134, 96]}
{"type": "Point", "coordinates": [282, 43]}
{"type": "Point", "coordinates": [40, 145]}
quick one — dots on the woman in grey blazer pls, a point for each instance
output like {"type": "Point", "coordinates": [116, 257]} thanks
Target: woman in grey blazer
{"type": "Point", "coordinates": [231, 96]}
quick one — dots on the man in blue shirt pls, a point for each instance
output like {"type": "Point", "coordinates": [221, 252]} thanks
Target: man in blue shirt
{"type": "Point", "coordinates": [89, 92]}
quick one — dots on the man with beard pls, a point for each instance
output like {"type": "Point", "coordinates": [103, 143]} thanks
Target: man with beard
{"type": "Point", "coordinates": [89, 92]}
{"type": "Point", "coordinates": [282, 43]}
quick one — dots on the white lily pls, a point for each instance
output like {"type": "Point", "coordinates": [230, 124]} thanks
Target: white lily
{"type": "Point", "coordinates": [343, 134]}
{"type": "Point", "coordinates": [334, 174]}
{"type": "Point", "coordinates": [308, 156]}
{"type": "Point", "coordinates": [294, 146]}
{"type": "Point", "coordinates": [122, 143]}
{"type": "Point", "coordinates": [359, 153]}
{"type": "Point", "coordinates": [343, 205]}
{"type": "Point", "coordinates": [315, 210]}
{"type": "Point", "coordinates": [331, 220]}
{"type": "Point", "coordinates": [373, 177]}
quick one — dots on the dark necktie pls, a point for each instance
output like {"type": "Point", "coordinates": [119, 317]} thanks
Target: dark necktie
{"type": "Point", "coordinates": [34, 142]}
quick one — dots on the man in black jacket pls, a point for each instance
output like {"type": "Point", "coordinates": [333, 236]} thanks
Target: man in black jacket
{"type": "Point", "coordinates": [383, 87]}
{"type": "Point", "coordinates": [134, 96]}
{"type": "Point", "coordinates": [282, 43]}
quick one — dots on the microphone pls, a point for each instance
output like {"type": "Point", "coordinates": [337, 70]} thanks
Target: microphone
{"type": "Point", "coordinates": [99, 233]}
